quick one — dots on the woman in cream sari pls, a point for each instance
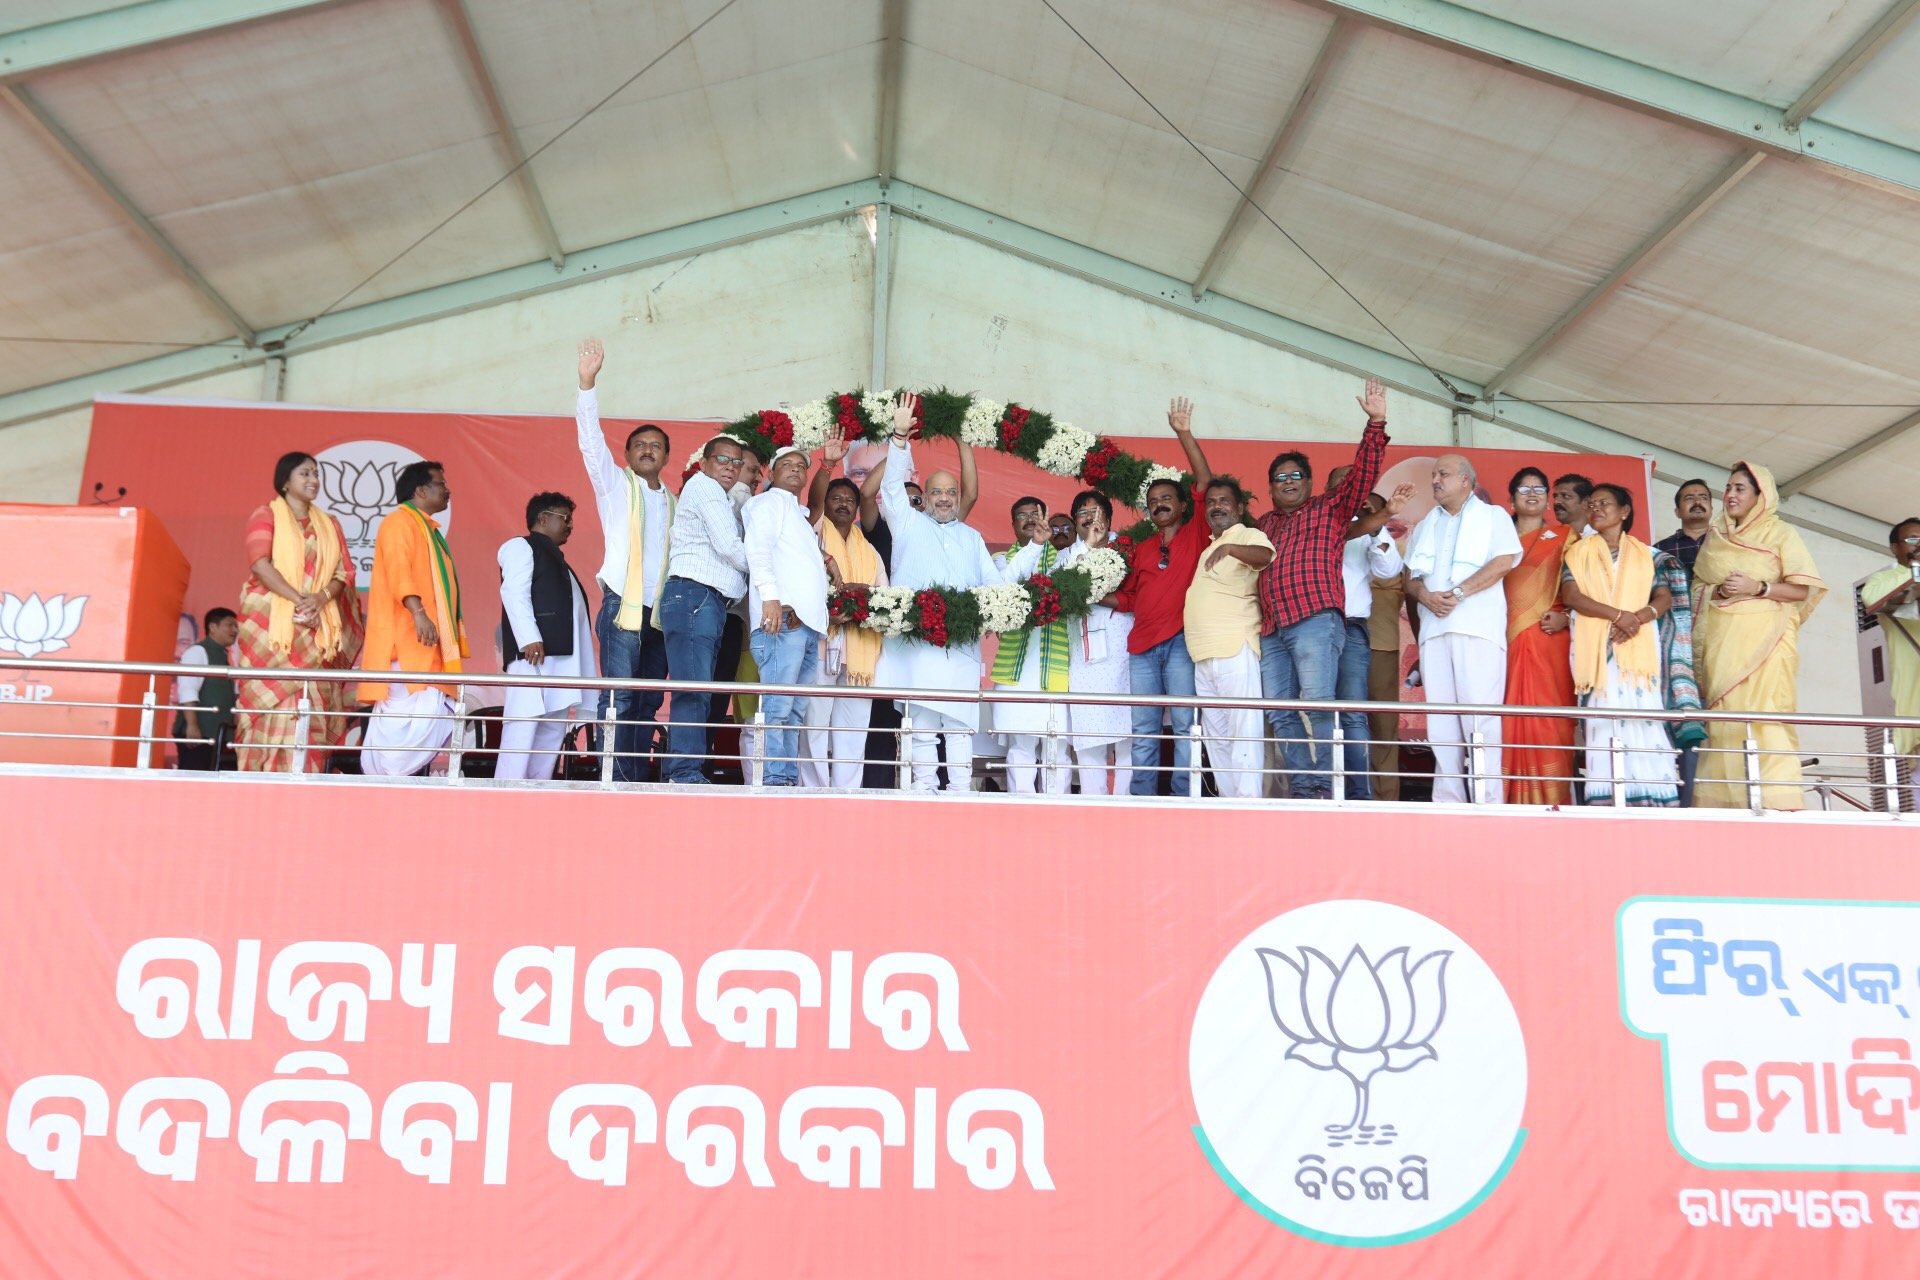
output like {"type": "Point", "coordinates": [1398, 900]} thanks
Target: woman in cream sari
{"type": "Point", "coordinates": [1618, 597]}
{"type": "Point", "coordinates": [1754, 584]}
{"type": "Point", "coordinates": [299, 611]}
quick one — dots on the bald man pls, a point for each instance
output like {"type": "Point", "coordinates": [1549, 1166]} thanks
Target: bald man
{"type": "Point", "coordinates": [934, 548]}
{"type": "Point", "coordinates": [1455, 560]}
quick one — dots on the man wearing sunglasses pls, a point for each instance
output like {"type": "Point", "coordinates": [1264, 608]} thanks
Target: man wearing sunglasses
{"type": "Point", "coordinates": [1893, 595]}
{"type": "Point", "coordinates": [545, 630]}
{"type": "Point", "coordinates": [1303, 595]}
{"type": "Point", "coordinates": [706, 573]}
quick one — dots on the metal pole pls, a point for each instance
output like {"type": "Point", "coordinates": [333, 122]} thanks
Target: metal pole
{"type": "Point", "coordinates": [456, 749]}
{"type": "Point", "coordinates": [1048, 746]}
{"type": "Point", "coordinates": [1752, 757]}
{"type": "Point", "coordinates": [1890, 771]}
{"type": "Point", "coordinates": [302, 729]}
{"type": "Point", "coordinates": [903, 744]}
{"type": "Point", "coordinates": [759, 762]}
{"type": "Point", "coordinates": [147, 701]}
{"type": "Point", "coordinates": [1338, 743]}
{"type": "Point", "coordinates": [1475, 741]}
{"type": "Point", "coordinates": [1193, 758]}
{"type": "Point", "coordinates": [1617, 764]}
{"type": "Point", "coordinates": [609, 724]}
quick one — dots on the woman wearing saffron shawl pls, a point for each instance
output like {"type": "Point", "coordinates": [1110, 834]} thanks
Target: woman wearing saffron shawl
{"type": "Point", "coordinates": [1754, 585]}
{"type": "Point", "coordinates": [1618, 597]}
{"type": "Point", "coordinates": [1538, 749]}
{"type": "Point", "coordinates": [298, 611]}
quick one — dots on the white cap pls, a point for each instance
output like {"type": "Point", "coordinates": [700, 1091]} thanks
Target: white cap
{"type": "Point", "coordinates": [779, 454]}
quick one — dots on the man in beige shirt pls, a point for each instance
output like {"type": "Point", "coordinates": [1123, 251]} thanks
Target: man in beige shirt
{"type": "Point", "coordinates": [1223, 638]}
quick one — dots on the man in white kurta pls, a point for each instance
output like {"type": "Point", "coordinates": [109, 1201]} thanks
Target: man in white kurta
{"type": "Point", "coordinates": [1456, 558]}
{"type": "Point", "coordinates": [536, 716]}
{"type": "Point", "coordinates": [933, 548]}
{"type": "Point", "coordinates": [1034, 732]}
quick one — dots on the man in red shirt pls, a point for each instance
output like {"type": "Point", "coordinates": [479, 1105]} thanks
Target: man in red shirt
{"type": "Point", "coordinates": [1303, 595]}
{"type": "Point", "coordinates": [1155, 593]}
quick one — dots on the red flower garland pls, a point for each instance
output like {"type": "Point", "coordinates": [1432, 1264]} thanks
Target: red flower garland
{"type": "Point", "coordinates": [1046, 599]}
{"type": "Point", "coordinates": [847, 415]}
{"type": "Point", "coordinates": [931, 607]}
{"type": "Point", "coordinates": [850, 605]}
{"type": "Point", "coordinates": [1094, 469]}
{"type": "Point", "coordinates": [1012, 424]}
{"type": "Point", "coordinates": [775, 427]}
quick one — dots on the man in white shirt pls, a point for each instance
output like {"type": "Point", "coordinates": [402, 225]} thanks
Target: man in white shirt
{"type": "Point", "coordinates": [206, 702]}
{"type": "Point", "coordinates": [636, 520]}
{"type": "Point", "coordinates": [787, 607]}
{"type": "Point", "coordinates": [1369, 553]}
{"type": "Point", "coordinates": [934, 548]}
{"type": "Point", "coordinates": [1455, 561]}
{"type": "Point", "coordinates": [706, 573]}
{"type": "Point", "coordinates": [545, 631]}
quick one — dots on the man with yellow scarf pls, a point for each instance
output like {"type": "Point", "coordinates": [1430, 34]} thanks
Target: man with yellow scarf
{"type": "Point", "coordinates": [414, 624]}
{"type": "Point", "coordinates": [836, 738]}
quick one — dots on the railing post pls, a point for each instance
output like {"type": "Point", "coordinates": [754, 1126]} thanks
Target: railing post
{"type": "Point", "coordinates": [147, 702]}
{"type": "Point", "coordinates": [1338, 744]}
{"type": "Point", "coordinates": [456, 745]}
{"type": "Point", "coordinates": [759, 761]}
{"type": "Point", "coordinates": [1890, 771]}
{"type": "Point", "coordinates": [1048, 746]}
{"type": "Point", "coordinates": [1475, 742]}
{"type": "Point", "coordinates": [1193, 757]}
{"type": "Point", "coordinates": [903, 744]}
{"type": "Point", "coordinates": [609, 725]}
{"type": "Point", "coordinates": [1751, 754]}
{"type": "Point", "coordinates": [302, 729]}
{"type": "Point", "coordinates": [1617, 765]}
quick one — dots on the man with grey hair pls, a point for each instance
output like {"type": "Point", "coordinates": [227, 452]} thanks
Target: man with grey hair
{"type": "Point", "coordinates": [1455, 560]}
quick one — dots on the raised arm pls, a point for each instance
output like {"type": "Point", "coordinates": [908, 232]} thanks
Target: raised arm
{"type": "Point", "coordinates": [969, 480]}
{"type": "Point", "coordinates": [1016, 565]}
{"type": "Point", "coordinates": [893, 487]}
{"type": "Point", "coordinates": [1369, 455]}
{"type": "Point", "coordinates": [870, 497]}
{"type": "Point", "coordinates": [1180, 418]}
{"type": "Point", "coordinates": [830, 455]}
{"type": "Point", "coordinates": [603, 471]}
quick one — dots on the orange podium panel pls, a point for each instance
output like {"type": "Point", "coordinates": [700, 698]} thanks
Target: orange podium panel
{"type": "Point", "coordinates": [100, 583]}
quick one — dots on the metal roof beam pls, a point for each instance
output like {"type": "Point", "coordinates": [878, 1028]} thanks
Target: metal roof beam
{"type": "Point", "coordinates": [1648, 249]}
{"type": "Point", "coordinates": [52, 45]}
{"type": "Point", "coordinates": [1853, 61]}
{"type": "Point", "coordinates": [1292, 122]}
{"type": "Point", "coordinates": [1404, 375]}
{"type": "Point", "coordinates": [460, 24]}
{"type": "Point", "coordinates": [1886, 435]}
{"type": "Point", "coordinates": [447, 300]}
{"type": "Point", "coordinates": [1717, 113]}
{"type": "Point", "coordinates": [893, 19]}
{"type": "Point", "coordinates": [88, 170]}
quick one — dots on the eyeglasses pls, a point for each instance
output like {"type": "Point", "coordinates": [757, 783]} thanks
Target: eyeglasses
{"type": "Point", "coordinates": [721, 460]}
{"type": "Point", "coordinates": [1281, 477]}
{"type": "Point", "coordinates": [1912, 542]}
{"type": "Point", "coordinates": [565, 517]}
{"type": "Point", "coordinates": [1531, 490]}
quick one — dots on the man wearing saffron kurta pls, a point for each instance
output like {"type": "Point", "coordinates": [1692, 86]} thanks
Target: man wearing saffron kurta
{"type": "Point", "coordinates": [413, 624]}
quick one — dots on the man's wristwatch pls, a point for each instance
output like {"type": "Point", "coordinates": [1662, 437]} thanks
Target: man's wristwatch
{"type": "Point", "coordinates": [1458, 593]}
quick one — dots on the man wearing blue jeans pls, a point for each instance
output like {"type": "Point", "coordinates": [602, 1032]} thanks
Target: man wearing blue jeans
{"type": "Point", "coordinates": [1155, 592]}
{"type": "Point", "coordinates": [787, 604]}
{"type": "Point", "coordinates": [706, 573]}
{"type": "Point", "coordinates": [1303, 595]}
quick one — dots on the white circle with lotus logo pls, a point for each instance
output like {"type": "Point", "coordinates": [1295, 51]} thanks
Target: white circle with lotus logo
{"type": "Point", "coordinates": [356, 488]}
{"type": "Point", "coordinates": [1359, 1073]}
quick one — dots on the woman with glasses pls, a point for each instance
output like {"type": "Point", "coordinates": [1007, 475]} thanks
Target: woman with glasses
{"type": "Point", "coordinates": [1539, 749]}
{"type": "Point", "coordinates": [1755, 583]}
{"type": "Point", "coordinates": [1618, 593]}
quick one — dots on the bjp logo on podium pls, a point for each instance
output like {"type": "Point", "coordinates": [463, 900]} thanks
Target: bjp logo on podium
{"type": "Point", "coordinates": [34, 626]}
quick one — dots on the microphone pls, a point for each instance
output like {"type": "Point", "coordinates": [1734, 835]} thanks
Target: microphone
{"type": "Point", "coordinates": [99, 501]}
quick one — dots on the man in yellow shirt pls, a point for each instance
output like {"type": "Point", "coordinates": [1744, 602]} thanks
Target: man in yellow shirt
{"type": "Point", "coordinates": [1222, 627]}
{"type": "Point", "coordinates": [1893, 595]}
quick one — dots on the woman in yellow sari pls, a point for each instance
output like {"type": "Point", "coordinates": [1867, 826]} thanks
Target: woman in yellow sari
{"type": "Point", "coordinates": [298, 610]}
{"type": "Point", "coordinates": [1538, 749]}
{"type": "Point", "coordinates": [1754, 584]}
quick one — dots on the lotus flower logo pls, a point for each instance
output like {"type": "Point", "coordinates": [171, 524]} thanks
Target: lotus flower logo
{"type": "Point", "coordinates": [1360, 1018]}
{"type": "Point", "coordinates": [358, 493]}
{"type": "Point", "coordinates": [34, 626]}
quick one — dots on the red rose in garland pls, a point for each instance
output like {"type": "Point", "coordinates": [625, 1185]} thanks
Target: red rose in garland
{"type": "Point", "coordinates": [1094, 470]}
{"type": "Point", "coordinates": [932, 609]}
{"type": "Point", "coordinates": [1046, 599]}
{"type": "Point", "coordinates": [1012, 425]}
{"type": "Point", "coordinates": [776, 427]}
{"type": "Point", "coordinates": [847, 416]}
{"type": "Point", "coordinates": [849, 606]}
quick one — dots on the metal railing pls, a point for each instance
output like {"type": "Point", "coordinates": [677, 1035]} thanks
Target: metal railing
{"type": "Point", "coordinates": [1883, 773]}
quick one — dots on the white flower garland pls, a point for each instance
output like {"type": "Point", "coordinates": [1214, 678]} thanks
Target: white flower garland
{"type": "Point", "coordinates": [813, 424]}
{"type": "Point", "coordinates": [1154, 476]}
{"type": "Point", "coordinates": [1003, 606]}
{"type": "Point", "coordinates": [1106, 568]}
{"type": "Point", "coordinates": [878, 406]}
{"type": "Point", "coordinates": [1065, 451]}
{"type": "Point", "coordinates": [889, 610]}
{"type": "Point", "coordinates": [981, 425]}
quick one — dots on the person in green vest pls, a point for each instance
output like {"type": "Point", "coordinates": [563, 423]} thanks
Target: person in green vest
{"type": "Point", "coordinates": [205, 719]}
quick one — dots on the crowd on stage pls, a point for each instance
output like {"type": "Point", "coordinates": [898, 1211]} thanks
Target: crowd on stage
{"type": "Point", "coordinates": [1552, 600]}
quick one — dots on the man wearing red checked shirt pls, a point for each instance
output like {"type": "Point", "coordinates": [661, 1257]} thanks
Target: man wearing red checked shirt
{"type": "Point", "coordinates": [1303, 595]}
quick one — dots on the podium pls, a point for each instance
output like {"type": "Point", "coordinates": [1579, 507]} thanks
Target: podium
{"type": "Point", "coordinates": [85, 583]}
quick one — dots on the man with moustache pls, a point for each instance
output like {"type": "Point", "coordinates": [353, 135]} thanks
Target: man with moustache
{"type": "Point", "coordinates": [836, 737]}
{"type": "Point", "coordinates": [1155, 593]}
{"type": "Point", "coordinates": [545, 630]}
{"type": "Point", "coordinates": [1303, 595]}
{"type": "Point", "coordinates": [706, 573]}
{"type": "Point", "coordinates": [1455, 561]}
{"type": "Point", "coordinates": [787, 583]}
{"type": "Point", "coordinates": [1570, 494]}
{"type": "Point", "coordinates": [1060, 531]}
{"type": "Point", "coordinates": [1693, 503]}
{"type": "Point", "coordinates": [1222, 629]}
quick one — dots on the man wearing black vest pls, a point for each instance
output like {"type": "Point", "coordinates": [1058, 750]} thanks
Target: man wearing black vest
{"type": "Point", "coordinates": [546, 631]}
{"type": "Point", "coordinates": [206, 702]}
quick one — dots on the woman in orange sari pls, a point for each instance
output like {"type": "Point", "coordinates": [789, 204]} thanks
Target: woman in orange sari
{"type": "Point", "coordinates": [298, 610]}
{"type": "Point", "coordinates": [1538, 750]}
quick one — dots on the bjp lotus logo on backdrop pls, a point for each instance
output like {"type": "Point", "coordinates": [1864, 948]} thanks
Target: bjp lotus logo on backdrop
{"type": "Point", "coordinates": [1358, 1073]}
{"type": "Point", "coordinates": [34, 626]}
{"type": "Point", "coordinates": [356, 486]}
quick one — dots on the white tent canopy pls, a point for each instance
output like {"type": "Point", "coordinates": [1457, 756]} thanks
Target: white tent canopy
{"type": "Point", "coordinates": [1686, 230]}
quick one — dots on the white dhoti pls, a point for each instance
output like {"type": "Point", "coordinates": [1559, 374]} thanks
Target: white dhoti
{"type": "Point", "coordinates": [908, 664]}
{"type": "Point", "coordinates": [1233, 735]}
{"type": "Point", "coordinates": [536, 720]}
{"type": "Point", "coordinates": [1463, 668]}
{"type": "Point", "coordinates": [405, 733]}
{"type": "Point", "coordinates": [1035, 733]}
{"type": "Point", "coordinates": [836, 735]}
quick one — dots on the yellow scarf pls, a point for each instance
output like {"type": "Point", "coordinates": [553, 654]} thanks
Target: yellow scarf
{"type": "Point", "coordinates": [859, 563]}
{"type": "Point", "coordinates": [1733, 639]}
{"type": "Point", "coordinates": [633, 607]}
{"type": "Point", "coordinates": [1628, 587]}
{"type": "Point", "coordinates": [290, 561]}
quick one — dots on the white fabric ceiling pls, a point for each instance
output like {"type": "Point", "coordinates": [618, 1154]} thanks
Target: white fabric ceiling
{"type": "Point", "coordinates": [1469, 205]}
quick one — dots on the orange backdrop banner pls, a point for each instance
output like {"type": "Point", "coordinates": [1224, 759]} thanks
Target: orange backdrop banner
{"type": "Point", "coordinates": [204, 466]}
{"type": "Point", "coordinates": [482, 1035]}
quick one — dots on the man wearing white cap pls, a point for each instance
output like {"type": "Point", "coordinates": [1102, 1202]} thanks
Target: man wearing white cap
{"type": "Point", "coordinates": [786, 607]}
